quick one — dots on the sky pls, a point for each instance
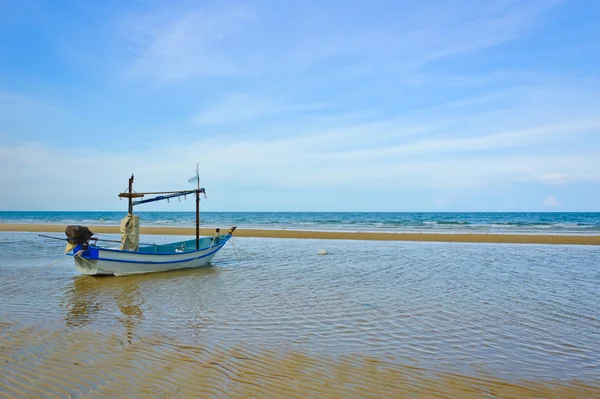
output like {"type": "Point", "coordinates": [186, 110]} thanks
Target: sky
{"type": "Point", "coordinates": [440, 105]}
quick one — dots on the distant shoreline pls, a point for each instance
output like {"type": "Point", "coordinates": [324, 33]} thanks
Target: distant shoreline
{"type": "Point", "coordinates": [333, 235]}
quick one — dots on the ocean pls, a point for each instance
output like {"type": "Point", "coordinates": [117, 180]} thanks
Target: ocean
{"type": "Point", "coordinates": [271, 318]}
{"type": "Point", "coordinates": [577, 223]}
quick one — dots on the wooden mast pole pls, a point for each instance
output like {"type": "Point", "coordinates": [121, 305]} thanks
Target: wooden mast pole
{"type": "Point", "coordinates": [197, 208]}
{"type": "Point", "coordinates": [197, 219]}
{"type": "Point", "coordinates": [130, 197]}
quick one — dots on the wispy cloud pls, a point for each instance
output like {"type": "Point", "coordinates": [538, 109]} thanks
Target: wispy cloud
{"type": "Point", "coordinates": [239, 107]}
{"type": "Point", "coordinates": [300, 163]}
{"type": "Point", "coordinates": [436, 100]}
{"type": "Point", "coordinates": [21, 113]}
{"type": "Point", "coordinates": [18, 100]}
{"type": "Point", "coordinates": [238, 39]}
{"type": "Point", "coordinates": [569, 173]}
{"type": "Point", "coordinates": [551, 202]}
{"type": "Point", "coordinates": [466, 28]}
{"type": "Point", "coordinates": [490, 142]}
{"type": "Point", "coordinates": [191, 43]}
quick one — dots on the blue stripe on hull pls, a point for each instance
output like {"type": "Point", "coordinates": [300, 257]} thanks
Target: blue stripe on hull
{"type": "Point", "coordinates": [93, 253]}
{"type": "Point", "coordinates": [222, 241]}
{"type": "Point", "coordinates": [157, 263]}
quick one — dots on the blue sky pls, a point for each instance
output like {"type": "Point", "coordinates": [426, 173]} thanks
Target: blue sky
{"type": "Point", "coordinates": [443, 105]}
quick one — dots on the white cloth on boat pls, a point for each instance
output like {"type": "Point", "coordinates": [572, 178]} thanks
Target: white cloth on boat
{"type": "Point", "coordinates": [130, 233]}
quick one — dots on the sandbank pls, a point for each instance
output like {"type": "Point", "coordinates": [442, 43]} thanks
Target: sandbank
{"type": "Point", "coordinates": [336, 235]}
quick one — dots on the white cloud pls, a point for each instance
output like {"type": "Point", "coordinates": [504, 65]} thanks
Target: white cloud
{"type": "Point", "coordinates": [243, 40]}
{"type": "Point", "coordinates": [556, 178]}
{"type": "Point", "coordinates": [298, 163]}
{"type": "Point", "coordinates": [551, 202]}
{"type": "Point", "coordinates": [468, 29]}
{"type": "Point", "coordinates": [576, 174]}
{"type": "Point", "coordinates": [410, 36]}
{"type": "Point", "coordinates": [504, 140]}
{"type": "Point", "coordinates": [15, 100]}
{"type": "Point", "coordinates": [406, 152]}
{"type": "Point", "coordinates": [240, 107]}
{"type": "Point", "coordinates": [189, 43]}
{"type": "Point", "coordinates": [309, 97]}
{"type": "Point", "coordinates": [236, 108]}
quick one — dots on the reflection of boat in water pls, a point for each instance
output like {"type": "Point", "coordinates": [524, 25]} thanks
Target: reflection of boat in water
{"type": "Point", "coordinates": [130, 257]}
{"type": "Point", "coordinates": [92, 299]}
{"type": "Point", "coordinates": [105, 302]}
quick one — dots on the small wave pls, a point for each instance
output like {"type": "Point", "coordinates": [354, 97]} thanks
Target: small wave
{"type": "Point", "coordinates": [522, 224]}
{"type": "Point", "coordinates": [449, 222]}
{"type": "Point", "coordinates": [576, 225]}
{"type": "Point", "coordinates": [164, 221]}
{"type": "Point", "coordinates": [541, 226]}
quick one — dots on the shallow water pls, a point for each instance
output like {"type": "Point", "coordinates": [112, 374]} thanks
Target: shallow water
{"type": "Point", "coordinates": [395, 318]}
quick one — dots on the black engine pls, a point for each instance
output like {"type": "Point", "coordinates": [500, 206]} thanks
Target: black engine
{"type": "Point", "coordinates": [78, 234]}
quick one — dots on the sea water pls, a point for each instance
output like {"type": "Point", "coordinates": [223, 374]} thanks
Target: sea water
{"type": "Point", "coordinates": [580, 223]}
{"type": "Point", "coordinates": [275, 318]}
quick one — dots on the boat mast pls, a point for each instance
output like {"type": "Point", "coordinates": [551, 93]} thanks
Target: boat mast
{"type": "Point", "coordinates": [197, 209]}
{"type": "Point", "coordinates": [130, 196]}
{"type": "Point", "coordinates": [198, 218]}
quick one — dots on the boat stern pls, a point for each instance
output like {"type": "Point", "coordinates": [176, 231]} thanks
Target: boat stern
{"type": "Point", "coordinates": [86, 260]}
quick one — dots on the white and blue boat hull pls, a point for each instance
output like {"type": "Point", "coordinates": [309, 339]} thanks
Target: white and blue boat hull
{"type": "Point", "coordinates": [94, 260]}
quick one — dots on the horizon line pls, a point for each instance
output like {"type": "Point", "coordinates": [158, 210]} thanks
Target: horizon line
{"type": "Point", "coordinates": [172, 211]}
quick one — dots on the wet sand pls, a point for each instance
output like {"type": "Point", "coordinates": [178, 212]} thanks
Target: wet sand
{"type": "Point", "coordinates": [41, 361]}
{"type": "Point", "coordinates": [339, 235]}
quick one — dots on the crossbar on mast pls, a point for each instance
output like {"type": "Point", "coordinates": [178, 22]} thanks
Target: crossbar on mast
{"type": "Point", "coordinates": [130, 195]}
{"type": "Point", "coordinates": [125, 195]}
{"type": "Point", "coordinates": [164, 197]}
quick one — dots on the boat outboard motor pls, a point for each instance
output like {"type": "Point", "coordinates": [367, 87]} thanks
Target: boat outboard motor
{"type": "Point", "coordinates": [78, 234]}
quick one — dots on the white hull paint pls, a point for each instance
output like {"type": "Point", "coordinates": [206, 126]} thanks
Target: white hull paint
{"type": "Point", "coordinates": [103, 261]}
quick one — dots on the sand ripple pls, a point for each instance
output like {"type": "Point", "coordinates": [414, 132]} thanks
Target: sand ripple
{"type": "Point", "coordinates": [85, 362]}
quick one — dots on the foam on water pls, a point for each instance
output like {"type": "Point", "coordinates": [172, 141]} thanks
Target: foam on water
{"type": "Point", "coordinates": [451, 222]}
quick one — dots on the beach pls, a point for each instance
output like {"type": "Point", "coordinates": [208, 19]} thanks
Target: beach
{"type": "Point", "coordinates": [336, 235]}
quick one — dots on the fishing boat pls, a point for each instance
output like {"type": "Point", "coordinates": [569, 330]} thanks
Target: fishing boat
{"type": "Point", "coordinates": [131, 257]}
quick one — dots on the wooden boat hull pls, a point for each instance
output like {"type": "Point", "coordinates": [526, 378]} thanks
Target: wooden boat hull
{"type": "Point", "coordinates": [95, 260]}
